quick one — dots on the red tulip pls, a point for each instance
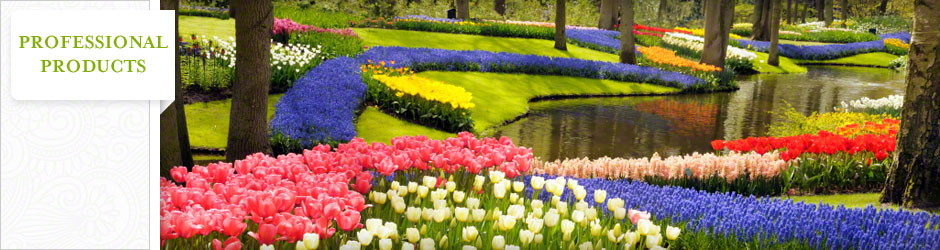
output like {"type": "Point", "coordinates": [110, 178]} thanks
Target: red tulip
{"type": "Point", "coordinates": [348, 220]}
{"type": "Point", "coordinates": [233, 227]}
{"type": "Point", "coordinates": [881, 155]}
{"type": "Point", "coordinates": [718, 145]}
{"type": "Point", "coordinates": [178, 174]}
{"type": "Point", "coordinates": [265, 235]}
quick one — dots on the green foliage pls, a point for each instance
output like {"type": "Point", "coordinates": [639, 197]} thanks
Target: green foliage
{"type": "Point", "coordinates": [791, 122]}
{"type": "Point", "coordinates": [332, 45]}
{"type": "Point", "coordinates": [312, 15]}
{"type": "Point", "coordinates": [186, 10]}
{"type": "Point", "coordinates": [648, 40]}
{"type": "Point", "coordinates": [883, 24]}
{"type": "Point", "coordinates": [375, 126]}
{"type": "Point", "coordinates": [205, 73]}
{"type": "Point", "coordinates": [831, 36]}
{"type": "Point", "coordinates": [468, 27]}
{"type": "Point", "coordinates": [899, 64]}
{"type": "Point", "coordinates": [414, 108]}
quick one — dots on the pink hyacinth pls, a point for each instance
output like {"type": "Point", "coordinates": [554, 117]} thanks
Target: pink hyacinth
{"type": "Point", "coordinates": [700, 166]}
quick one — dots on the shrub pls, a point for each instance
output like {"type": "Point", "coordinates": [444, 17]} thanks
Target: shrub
{"type": "Point", "coordinates": [217, 12]}
{"type": "Point", "coordinates": [320, 107]}
{"type": "Point", "coordinates": [313, 15]}
{"type": "Point", "coordinates": [205, 73]}
{"type": "Point", "coordinates": [424, 23]}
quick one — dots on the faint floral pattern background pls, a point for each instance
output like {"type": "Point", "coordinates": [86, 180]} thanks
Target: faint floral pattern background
{"type": "Point", "coordinates": [73, 174]}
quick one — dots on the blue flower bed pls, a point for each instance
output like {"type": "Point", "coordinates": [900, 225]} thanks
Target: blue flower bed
{"type": "Point", "coordinates": [421, 59]}
{"type": "Point", "coordinates": [769, 222]}
{"type": "Point", "coordinates": [602, 40]}
{"type": "Point", "coordinates": [430, 19]}
{"type": "Point", "coordinates": [320, 107]}
{"type": "Point", "coordinates": [823, 52]}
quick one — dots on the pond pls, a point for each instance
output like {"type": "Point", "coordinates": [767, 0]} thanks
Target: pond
{"type": "Point", "coordinates": [682, 124]}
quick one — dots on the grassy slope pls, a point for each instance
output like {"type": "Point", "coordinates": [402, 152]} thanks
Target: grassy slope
{"type": "Point", "coordinates": [849, 200]}
{"type": "Point", "coordinates": [207, 26]}
{"type": "Point", "coordinates": [786, 65]}
{"type": "Point", "coordinates": [375, 126]}
{"type": "Point", "coordinates": [405, 38]}
{"type": "Point", "coordinates": [876, 59]}
{"type": "Point", "coordinates": [208, 121]}
{"type": "Point", "coordinates": [502, 97]}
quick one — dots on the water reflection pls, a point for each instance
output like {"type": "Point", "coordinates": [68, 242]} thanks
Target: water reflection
{"type": "Point", "coordinates": [670, 125]}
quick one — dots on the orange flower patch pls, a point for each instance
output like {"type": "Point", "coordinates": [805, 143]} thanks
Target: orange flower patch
{"type": "Point", "coordinates": [664, 56]}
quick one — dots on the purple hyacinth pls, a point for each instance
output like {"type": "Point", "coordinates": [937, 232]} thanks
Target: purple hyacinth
{"type": "Point", "coordinates": [824, 52]}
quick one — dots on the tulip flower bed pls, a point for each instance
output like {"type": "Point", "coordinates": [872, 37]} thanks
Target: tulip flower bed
{"type": "Point", "coordinates": [890, 105]}
{"type": "Point", "coordinates": [733, 221]}
{"type": "Point", "coordinates": [283, 28]}
{"type": "Point", "coordinates": [424, 23]}
{"type": "Point", "coordinates": [492, 211]}
{"type": "Point", "coordinates": [701, 32]}
{"type": "Point", "coordinates": [692, 46]}
{"type": "Point", "coordinates": [667, 59]}
{"type": "Point", "coordinates": [291, 198]}
{"type": "Point", "coordinates": [422, 59]}
{"type": "Point", "coordinates": [792, 122]}
{"type": "Point", "coordinates": [427, 102]}
{"type": "Point", "coordinates": [896, 46]}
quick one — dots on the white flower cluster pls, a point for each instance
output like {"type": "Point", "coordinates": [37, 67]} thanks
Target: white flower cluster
{"type": "Point", "coordinates": [787, 32]}
{"type": "Point", "coordinates": [281, 55]}
{"type": "Point", "coordinates": [817, 24]}
{"type": "Point", "coordinates": [890, 102]}
{"type": "Point", "coordinates": [697, 43]}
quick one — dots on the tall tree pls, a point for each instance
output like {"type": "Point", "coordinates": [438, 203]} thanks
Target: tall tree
{"type": "Point", "coordinates": [174, 136]}
{"type": "Point", "coordinates": [805, 7]}
{"type": "Point", "coordinates": [762, 20]}
{"type": "Point", "coordinates": [828, 12]}
{"type": "Point", "coordinates": [845, 12]}
{"type": "Point", "coordinates": [821, 10]}
{"type": "Point", "coordinates": [248, 122]}
{"type": "Point", "coordinates": [560, 39]}
{"type": "Point", "coordinates": [500, 7]}
{"type": "Point", "coordinates": [463, 9]}
{"type": "Point", "coordinates": [627, 47]}
{"type": "Point", "coordinates": [774, 55]}
{"type": "Point", "coordinates": [914, 177]}
{"type": "Point", "coordinates": [719, 17]}
{"type": "Point", "coordinates": [789, 11]}
{"type": "Point", "coordinates": [608, 15]}
{"type": "Point", "coordinates": [883, 7]}
{"type": "Point", "coordinates": [661, 10]}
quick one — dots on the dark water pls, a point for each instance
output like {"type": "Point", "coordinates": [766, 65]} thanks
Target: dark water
{"type": "Point", "coordinates": [671, 125]}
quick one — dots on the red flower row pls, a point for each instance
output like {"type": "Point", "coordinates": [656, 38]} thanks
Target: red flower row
{"type": "Point", "coordinates": [822, 143]}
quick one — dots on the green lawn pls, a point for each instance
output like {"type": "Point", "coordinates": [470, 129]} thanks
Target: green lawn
{"type": "Point", "coordinates": [375, 126]}
{"type": "Point", "coordinates": [207, 26]}
{"type": "Point", "coordinates": [502, 97]}
{"type": "Point", "coordinates": [787, 66]}
{"type": "Point", "coordinates": [876, 59]}
{"type": "Point", "coordinates": [406, 38]}
{"type": "Point", "coordinates": [208, 121]}
{"type": "Point", "coordinates": [859, 200]}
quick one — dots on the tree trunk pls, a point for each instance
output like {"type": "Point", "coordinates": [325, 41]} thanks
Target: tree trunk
{"type": "Point", "coordinates": [805, 7]}
{"type": "Point", "coordinates": [661, 11]}
{"type": "Point", "coordinates": [174, 137]}
{"type": "Point", "coordinates": [883, 7]}
{"type": "Point", "coordinates": [821, 10]}
{"type": "Point", "coordinates": [248, 123]}
{"type": "Point", "coordinates": [463, 9]}
{"type": "Point", "coordinates": [914, 177]}
{"type": "Point", "coordinates": [828, 12]}
{"type": "Point", "coordinates": [790, 11]}
{"type": "Point", "coordinates": [762, 21]}
{"type": "Point", "coordinates": [845, 13]}
{"type": "Point", "coordinates": [560, 39]}
{"type": "Point", "coordinates": [727, 22]}
{"type": "Point", "coordinates": [627, 47]}
{"type": "Point", "coordinates": [712, 52]}
{"type": "Point", "coordinates": [608, 15]}
{"type": "Point", "coordinates": [500, 7]}
{"type": "Point", "coordinates": [774, 58]}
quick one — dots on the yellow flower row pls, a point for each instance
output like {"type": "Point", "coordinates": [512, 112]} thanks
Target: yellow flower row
{"type": "Point", "coordinates": [665, 56]}
{"type": "Point", "coordinates": [897, 43]}
{"type": "Point", "coordinates": [428, 89]}
{"type": "Point", "coordinates": [701, 32]}
{"type": "Point", "coordinates": [381, 69]}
